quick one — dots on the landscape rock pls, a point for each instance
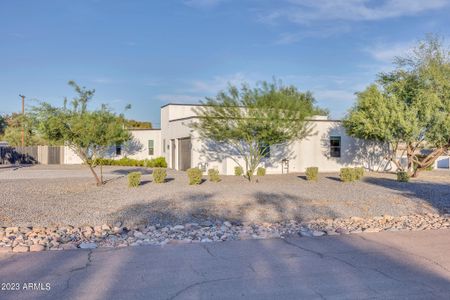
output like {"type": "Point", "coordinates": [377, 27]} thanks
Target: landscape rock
{"type": "Point", "coordinates": [88, 245]}
{"type": "Point", "coordinates": [36, 248]}
{"type": "Point", "coordinates": [20, 249]}
{"type": "Point", "coordinates": [26, 239]}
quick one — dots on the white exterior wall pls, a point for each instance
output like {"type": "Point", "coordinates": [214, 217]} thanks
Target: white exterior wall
{"type": "Point", "coordinates": [70, 158]}
{"type": "Point", "coordinates": [312, 151]}
{"type": "Point", "coordinates": [175, 121]}
{"type": "Point", "coordinates": [136, 148]}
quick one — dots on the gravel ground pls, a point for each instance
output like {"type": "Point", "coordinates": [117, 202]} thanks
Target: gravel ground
{"type": "Point", "coordinates": [55, 195]}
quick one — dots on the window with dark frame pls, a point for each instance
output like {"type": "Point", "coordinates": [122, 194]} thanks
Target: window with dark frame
{"type": "Point", "coordinates": [335, 146]}
{"type": "Point", "coordinates": [151, 147]}
{"type": "Point", "coordinates": [118, 150]}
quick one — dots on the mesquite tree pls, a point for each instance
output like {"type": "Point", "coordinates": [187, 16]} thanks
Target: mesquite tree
{"type": "Point", "coordinates": [251, 120]}
{"type": "Point", "coordinates": [408, 107]}
{"type": "Point", "coordinates": [86, 132]}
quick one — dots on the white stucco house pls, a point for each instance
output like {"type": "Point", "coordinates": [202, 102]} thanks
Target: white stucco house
{"type": "Point", "coordinates": [145, 144]}
{"type": "Point", "coordinates": [328, 147]}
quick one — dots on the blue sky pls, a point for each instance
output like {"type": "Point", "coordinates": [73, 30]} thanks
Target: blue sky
{"type": "Point", "coordinates": [148, 53]}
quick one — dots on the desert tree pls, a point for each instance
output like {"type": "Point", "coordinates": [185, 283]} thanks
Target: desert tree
{"type": "Point", "coordinates": [251, 120]}
{"type": "Point", "coordinates": [15, 124]}
{"type": "Point", "coordinates": [88, 133]}
{"type": "Point", "coordinates": [408, 107]}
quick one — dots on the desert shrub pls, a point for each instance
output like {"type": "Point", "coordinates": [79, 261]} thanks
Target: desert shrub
{"type": "Point", "coordinates": [312, 173]}
{"type": "Point", "coordinates": [260, 171]}
{"type": "Point", "coordinates": [402, 176]}
{"type": "Point", "coordinates": [359, 173]}
{"type": "Point", "coordinates": [213, 175]}
{"type": "Point", "coordinates": [195, 176]}
{"type": "Point", "coordinates": [159, 175]}
{"type": "Point", "coordinates": [158, 162]}
{"type": "Point", "coordinates": [347, 174]}
{"type": "Point", "coordinates": [134, 179]}
{"type": "Point", "coordinates": [238, 171]}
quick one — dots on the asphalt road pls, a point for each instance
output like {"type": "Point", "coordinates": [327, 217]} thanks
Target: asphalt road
{"type": "Point", "coordinates": [400, 265]}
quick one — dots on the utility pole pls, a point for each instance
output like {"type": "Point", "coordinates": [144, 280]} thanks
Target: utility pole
{"type": "Point", "coordinates": [23, 115]}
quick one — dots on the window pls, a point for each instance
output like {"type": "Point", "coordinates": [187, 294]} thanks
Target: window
{"type": "Point", "coordinates": [164, 145]}
{"type": "Point", "coordinates": [151, 147]}
{"type": "Point", "coordinates": [118, 150]}
{"type": "Point", "coordinates": [335, 146]}
{"type": "Point", "coordinates": [264, 150]}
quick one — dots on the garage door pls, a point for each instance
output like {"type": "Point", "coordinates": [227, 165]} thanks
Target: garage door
{"type": "Point", "coordinates": [184, 153]}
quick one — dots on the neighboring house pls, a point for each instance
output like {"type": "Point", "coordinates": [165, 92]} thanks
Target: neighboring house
{"type": "Point", "coordinates": [145, 144]}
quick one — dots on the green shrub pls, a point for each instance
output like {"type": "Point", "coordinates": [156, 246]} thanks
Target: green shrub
{"type": "Point", "coordinates": [402, 176]}
{"type": "Point", "coordinates": [159, 175]}
{"type": "Point", "coordinates": [347, 174]}
{"type": "Point", "coordinates": [359, 173]}
{"type": "Point", "coordinates": [195, 176]}
{"type": "Point", "coordinates": [158, 162]}
{"type": "Point", "coordinates": [213, 175]}
{"type": "Point", "coordinates": [261, 171]}
{"type": "Point", "coordinates": [312, 173]}
{"type": "Point", "coordinates": [238, 171]}
{"type": "Point", "coordinates": [134, 179]}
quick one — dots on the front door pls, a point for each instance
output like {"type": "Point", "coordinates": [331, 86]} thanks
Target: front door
{"type": "Point", "coordinates": [184, 153]}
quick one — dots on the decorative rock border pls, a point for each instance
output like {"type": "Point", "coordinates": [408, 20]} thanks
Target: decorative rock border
{"type": "Point", "coordinates": [24, 239]}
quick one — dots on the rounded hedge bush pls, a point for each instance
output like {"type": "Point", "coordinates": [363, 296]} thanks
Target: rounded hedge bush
{"type": "Point", "coordinates": [195, 176]}
{"type": "Point", "coordinates": [261, 171]}
{"type": "Point", "coordinates": [134, 179]}
{"type": "Point", "coordinates": [359, 173]}
{"type": "Point", "coordinates": [159, 175]}
{"type": "Point", "coordinates": [213, 175]}
{"type": "Point", "coordinates": [402, 176]}
{"type": "Point", "coordinates": [347, 174]}
{"type": "Point", "coordinates": [312, 173]}
{"type": "Point", "coordinates": [238, 171]}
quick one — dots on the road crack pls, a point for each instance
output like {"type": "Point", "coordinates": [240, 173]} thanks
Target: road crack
{"type": "Point", "coordinates": [200, 283]}
{"type": "Point", "coordinates": [83, 268]}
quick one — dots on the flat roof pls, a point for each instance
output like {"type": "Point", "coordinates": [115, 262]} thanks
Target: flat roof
{"type": "Point", "coordinates": [142, 129]}
{"type": "Point", "coordinates": [311, 120]}
{"type": "Point", "coordinates": [183, 104]}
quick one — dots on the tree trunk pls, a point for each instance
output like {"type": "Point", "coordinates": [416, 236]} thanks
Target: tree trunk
{"type": "Point", "coordinates": [428, 161]}
{"type": "Point", "coordinates": [101, 173]}
{"type": "Point", "coordinates": [97, 179]}
{"type": "Point", "coordinates": [410, 157]}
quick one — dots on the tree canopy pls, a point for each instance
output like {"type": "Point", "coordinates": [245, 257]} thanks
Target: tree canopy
{"type": "Point", "coordinates": [87, 132]}
{"type": "Point", "coordinates": [12, 126]}
{"type": "Point", "coordinates": [133, 124]}
{"type": "Point", "coordinates": [409, 106]}
{"type": "Point", "coordinates": [251, 120]}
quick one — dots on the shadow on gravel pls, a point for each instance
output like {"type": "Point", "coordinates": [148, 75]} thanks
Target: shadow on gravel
{"type": "Point", "coordinates": [435, 194]}
{"type": "Point", "coordinates": [334, 178]}
{"type": "Point", "coordinates": [200, 207]}
{"type": "Point", "coordinates": [144, 171]}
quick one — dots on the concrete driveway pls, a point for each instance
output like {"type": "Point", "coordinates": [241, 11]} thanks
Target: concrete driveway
{"type": "Point", "coordinates": [405, 265]}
